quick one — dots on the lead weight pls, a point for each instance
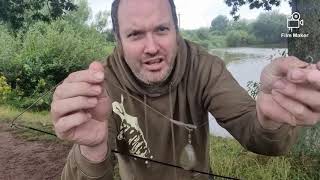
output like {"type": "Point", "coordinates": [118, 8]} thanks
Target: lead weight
{"type": "Point", "coordinates": [188, 157]}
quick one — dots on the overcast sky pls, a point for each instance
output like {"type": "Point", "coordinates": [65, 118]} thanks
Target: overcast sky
{"type": "Point", "coordinates": [195, 14]}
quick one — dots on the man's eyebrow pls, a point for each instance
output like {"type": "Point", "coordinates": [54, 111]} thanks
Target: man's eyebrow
{"type": "Point", "coordinates": [167, 24]}
{"type": "Point", "coordinates": [137, 29]}
{"type": "Point", "coordinates": [133, 30]}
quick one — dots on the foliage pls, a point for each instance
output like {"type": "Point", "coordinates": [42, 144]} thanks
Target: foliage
{"type": "Point", "coordinates": [80, 16]}
{"type": "Point", "coordinates": [10, 48]}
{"type": "Point", "coordinates": [229, 158]}
{"type": "Point", "coordinates": [269, 25]}
{"type": "Point", "coordinates": [101, 24]}
{"type": "Point", "coordinates": [5, 89]}
{"type": "Point", "coordinates": [54, 51]}
{"type": "Point", "coordinates": [308, 142]}
{"type": "Point", "coordinates": [253, 88]}
{"type": "Point", "coordinates": [224, 33]}
{"type": "Point", "coordinates": [205, 38]}
{"type": "Point", "coordinates": [242, 24]}
{"type": "Point", "coordinates": [48, 53]}
{"type": "Point", "coordinates": [18, 13]}
{"type": "Point", "coordinates": [220, 23]}
{"type": "Point", "coordinates": [239, 38]}
{"type": "Point", "coordinates": [35, 59]}
{"type": "Point", "coordinates": [265, 4]}
{"type": "Point", "coordinates": [101, 20]}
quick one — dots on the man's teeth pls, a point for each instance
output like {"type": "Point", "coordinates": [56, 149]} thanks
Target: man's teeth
{"type": "Point", "coordinates": [154, 61]}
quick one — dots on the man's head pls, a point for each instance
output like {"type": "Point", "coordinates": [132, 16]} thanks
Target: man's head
{"type": "Point", "coordinates": [147, 31]}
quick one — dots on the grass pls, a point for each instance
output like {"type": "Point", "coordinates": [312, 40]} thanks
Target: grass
{"type": "Point", "coordinates": [39, 120]}
{"type": "Point", "coordinates": [228, 157]}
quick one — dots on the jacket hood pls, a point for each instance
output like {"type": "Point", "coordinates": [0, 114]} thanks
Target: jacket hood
{"type": "Point", "coordinates": [130, 81]}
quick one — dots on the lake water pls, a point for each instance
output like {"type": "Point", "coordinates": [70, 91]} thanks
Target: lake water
{"type": "Point", "coordinates": [245, 64]}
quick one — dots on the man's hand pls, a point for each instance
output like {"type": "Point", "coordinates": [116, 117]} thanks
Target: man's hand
{"type": "Point", "coordinates": [79, 110]}
{"type": "Point", "coordinates": [290, 94]}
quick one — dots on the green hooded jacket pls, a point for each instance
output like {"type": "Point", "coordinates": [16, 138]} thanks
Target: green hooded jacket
{"type": "Point", "coordinates": [198, 84]}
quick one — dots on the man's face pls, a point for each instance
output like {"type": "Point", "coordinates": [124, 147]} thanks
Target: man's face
{"type": "Point", "coordinates": [148, 38]}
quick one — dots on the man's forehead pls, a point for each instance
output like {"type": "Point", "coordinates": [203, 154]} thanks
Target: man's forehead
{"type": "Point", "coordinates": [133, 4]}
{"type": "Point", "coordinates": [134, 11]}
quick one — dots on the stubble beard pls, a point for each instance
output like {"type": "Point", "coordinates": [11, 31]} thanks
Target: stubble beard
{"type": "Point", "coordinates": [149, 78]}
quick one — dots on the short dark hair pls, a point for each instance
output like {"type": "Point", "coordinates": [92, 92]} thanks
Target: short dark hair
{"type": "Point", "coordinates": [115, 22]}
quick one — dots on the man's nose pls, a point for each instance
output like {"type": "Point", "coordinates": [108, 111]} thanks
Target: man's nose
{"type": "Point", "coordinates": [151, 46]}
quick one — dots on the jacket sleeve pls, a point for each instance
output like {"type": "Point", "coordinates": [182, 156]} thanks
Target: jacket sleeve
{"type": "Point", "coordinates": [236, 111]}
{"type": "Point", "coordinates": [78, 167]}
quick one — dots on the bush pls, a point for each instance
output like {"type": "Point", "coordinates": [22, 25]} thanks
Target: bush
{"type": "Point", "coordinates": [238, 38]}
{"type": "Point", "coordinates": [49, 52]}
{"type": "Point", "coordinates": [217, 42]}
{"type": "Point", "coordinates": [10, 48]}
{"type": "Point", "coordinates": [5, 89]}
{"type": "Point", "coordinates": [205, 38]}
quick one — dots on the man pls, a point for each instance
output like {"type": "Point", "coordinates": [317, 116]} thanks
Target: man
{"type": "Point", "coordinates": [152, 98]}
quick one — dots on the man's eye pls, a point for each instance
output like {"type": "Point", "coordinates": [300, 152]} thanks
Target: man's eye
{"type": "Point", "coordinates": [134, 34]}
{"type": "Point", "coordinates": [162, 29]}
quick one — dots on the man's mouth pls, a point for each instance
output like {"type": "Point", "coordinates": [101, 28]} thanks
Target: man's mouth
{"type": "Point", "coordinates": [154, 64]}
{"type": "Point", "coordinates": [153, 61]}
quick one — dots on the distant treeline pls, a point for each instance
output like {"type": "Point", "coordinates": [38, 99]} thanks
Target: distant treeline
{"type": "Point", "coordinates": [266, 29]}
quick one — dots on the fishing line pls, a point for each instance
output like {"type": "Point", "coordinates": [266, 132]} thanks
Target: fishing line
{"type": "Point", "coordinates": [187, 126]}
{"type": "Point", "coordinates": [174, 166]}
{"type": "Point", "coordinates": [20, 126]}
{"type": "Point", "coordinates": [130, 155]}
{"type": "Point", "coordinates": [178, 123]}
{"type": "Point", "coordinates": [36, 101]}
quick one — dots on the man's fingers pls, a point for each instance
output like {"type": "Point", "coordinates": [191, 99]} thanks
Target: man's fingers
{"type": "Point", "coordinates": [69, 90]}
{"type": "Point", "coordinates": [96, 66]}
{"type": "Point", "coordinates": [68, 122]}
{"type": "Point", "coordinates": [273, 110]}
{"type": "Point", "coordinates": [66, 106]}
{"type": "Point", "coordinates": [278, 69]}
{"type": "Point", "coordinates": [310, 74]}
{"type": "Point", "coordinates": [298, 75]}
{"type": "Point", "coordinates": [103, 109]}
{"type": "Point", "coordinates": [283, 65]}
{"type": "Point", "coordinates": [89, 76]}
{"type": "Point", "coordinates": [302, 93]}
{"type": "Point", "coordinates": [301, 113]}
{"type": "Point", "coordinates": [314, 78]}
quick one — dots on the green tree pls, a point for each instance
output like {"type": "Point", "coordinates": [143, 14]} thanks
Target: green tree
{"type": "Point", "coordinates": [268, 27]}
{"type": "Point", "coordinates": [15, 13]}
{"type": "Point", "coordinates": [220, 23]}
{"type": "Point", "coordinates": [101, 21]}
{"type": "Point", "coordinates": [79, 16]}
{"type": "Point", "coordinates": [242, 24]}
{"type": "Point", "coordinates": [202, 33]}
{"type": "Point", "coordinates": [265, 4]}
{"type": "Point", "coordinates": [101, 24]}
{"type": "Point", "coordinates": [38, 59]}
